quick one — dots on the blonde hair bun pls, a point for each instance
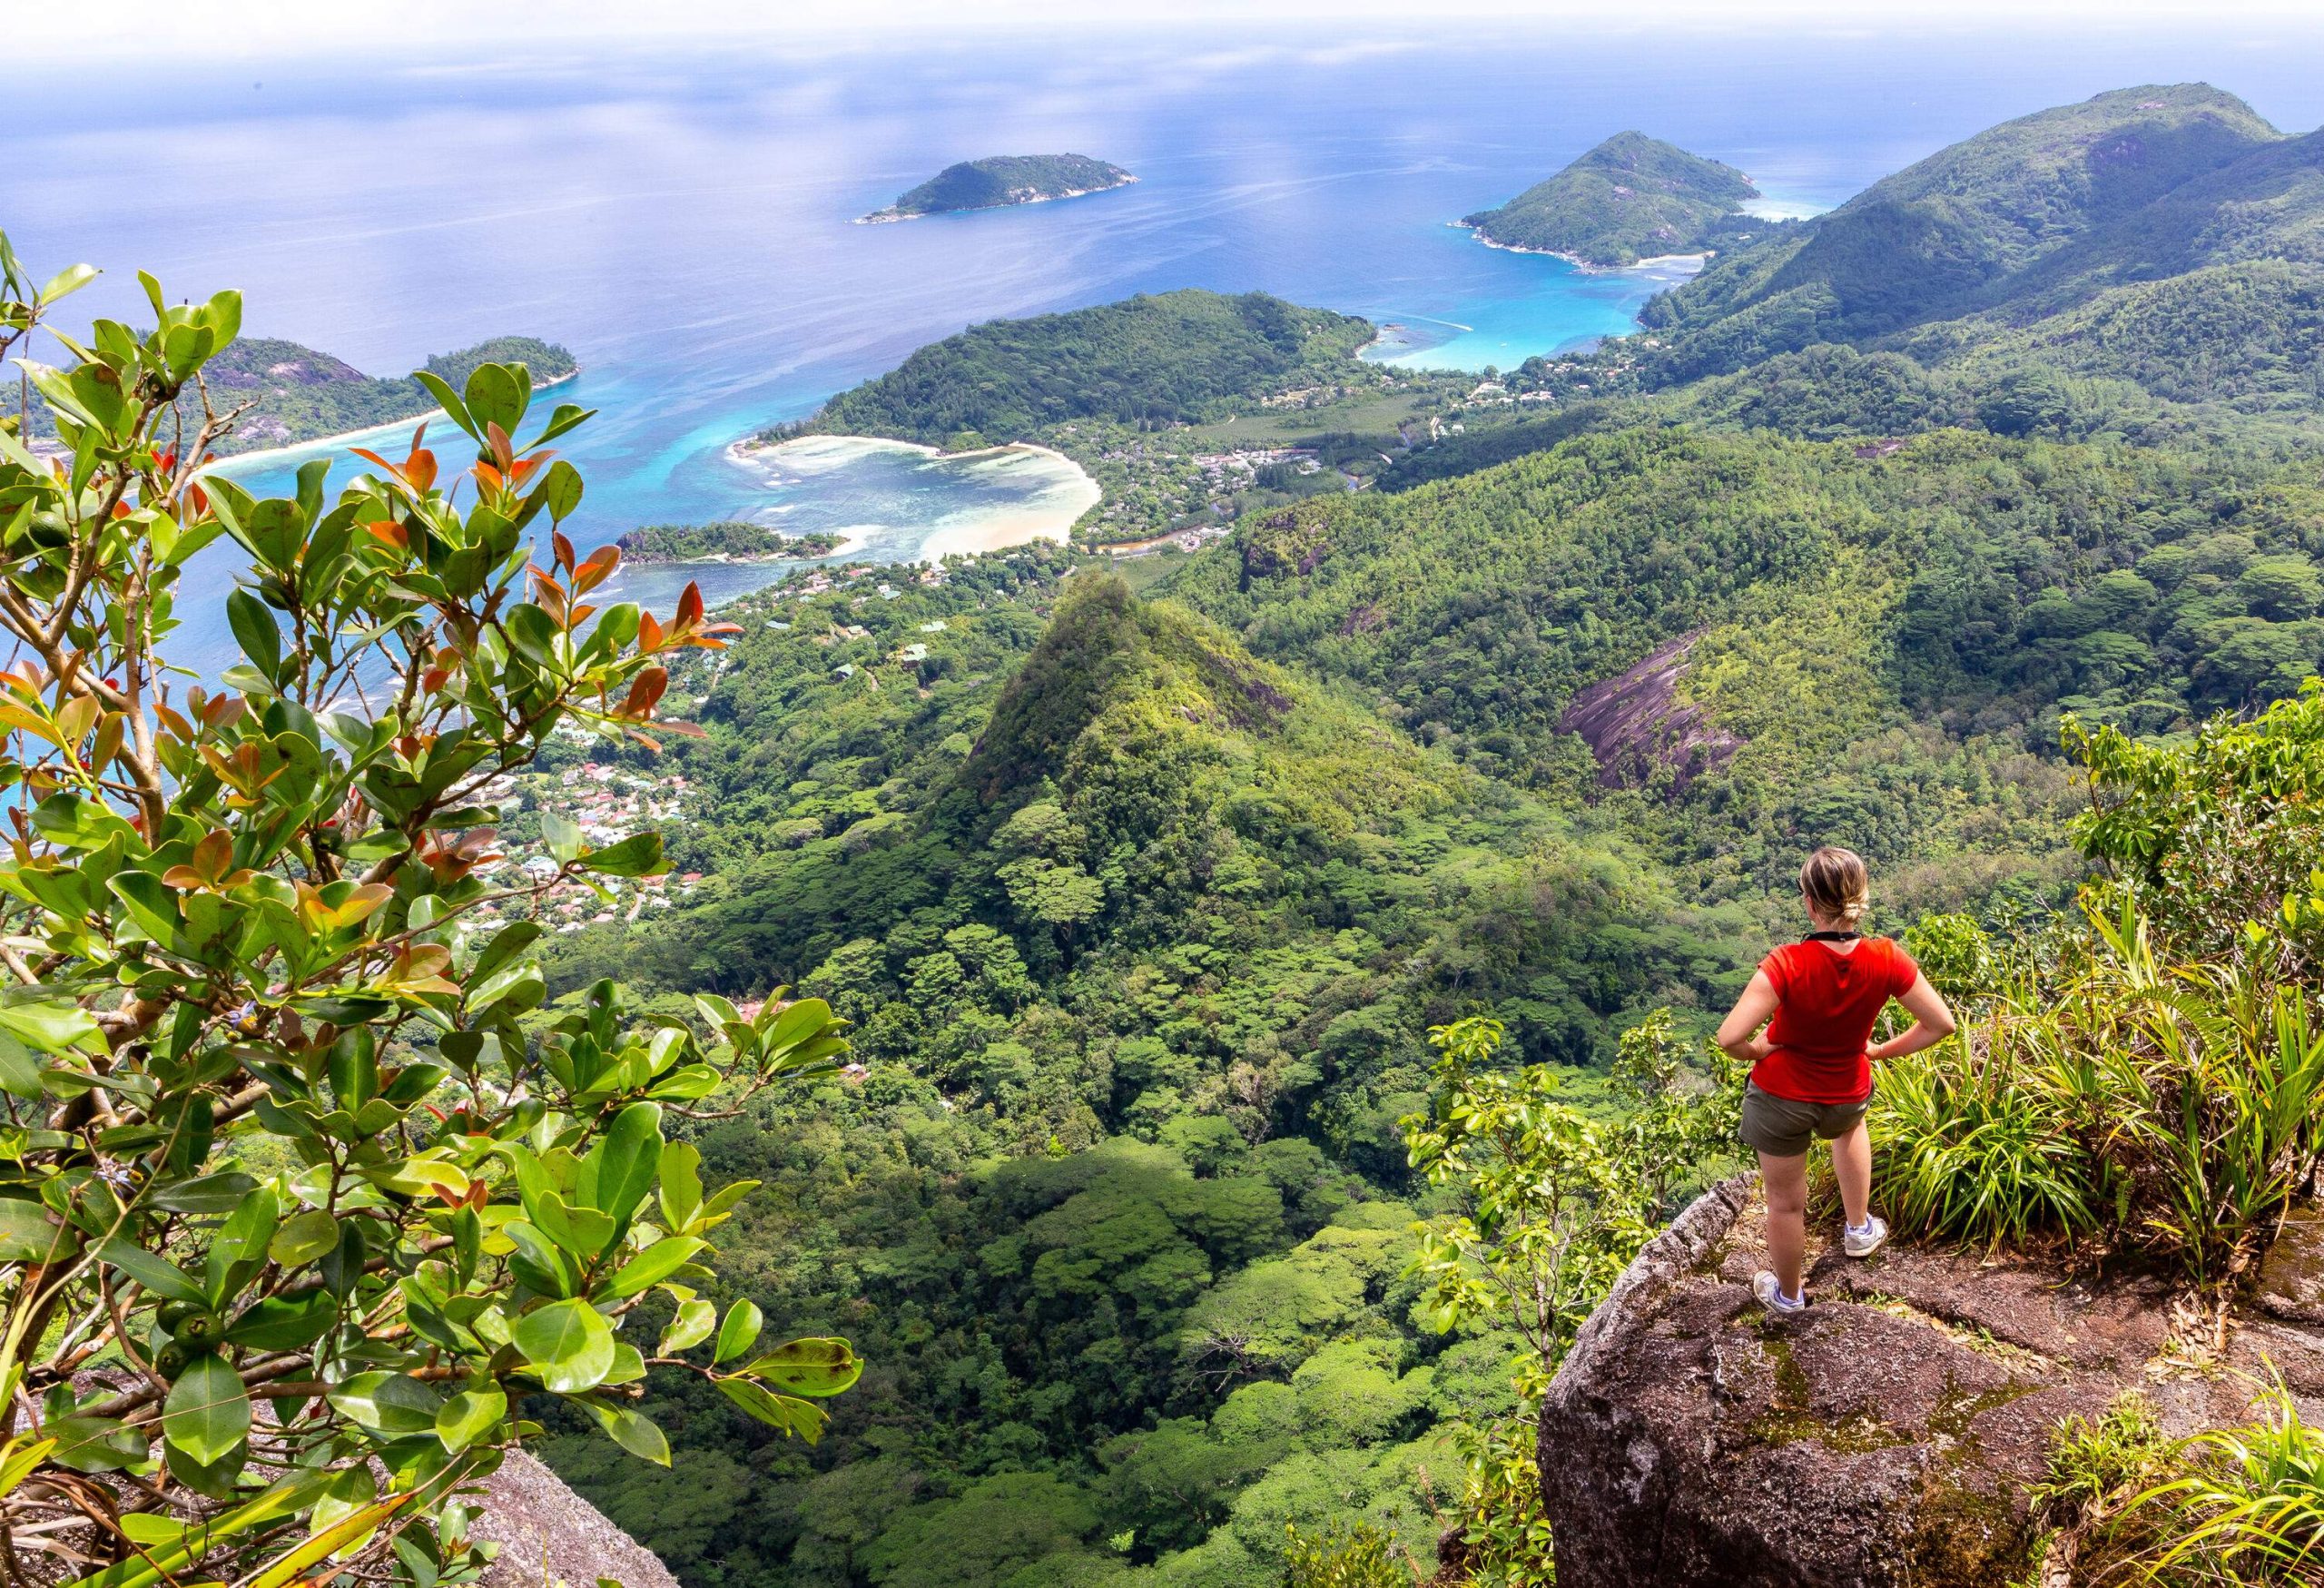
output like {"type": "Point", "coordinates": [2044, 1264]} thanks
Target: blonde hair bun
{"type": "Point", "coordinates": [1835, 884]}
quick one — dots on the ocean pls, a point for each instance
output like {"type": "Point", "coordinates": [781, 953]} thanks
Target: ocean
{"type": "Point", "coordinates": [683, 219]}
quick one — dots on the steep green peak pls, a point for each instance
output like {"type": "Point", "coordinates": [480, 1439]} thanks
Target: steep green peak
{"type": "Point", "coordinates": [1629, 198]}
{"type": "Point", "coordinates": [2034, 181]}
{"type": "Point", "coordinates": [1650, 160]}
{"type": "Point", "coordinates": [1103, 646]}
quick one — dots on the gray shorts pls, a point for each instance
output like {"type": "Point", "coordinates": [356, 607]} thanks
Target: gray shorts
{"type": "Point", "coordinates": [1781, 1128]}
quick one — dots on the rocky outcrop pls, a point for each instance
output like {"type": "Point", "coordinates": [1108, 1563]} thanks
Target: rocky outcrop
{"type": "Point", "coordinates": [1883, 1438]}
{"type": "Point", "coordinates": [1634, 723]}
{"type": "Point", "coordinates": [548, 1535]}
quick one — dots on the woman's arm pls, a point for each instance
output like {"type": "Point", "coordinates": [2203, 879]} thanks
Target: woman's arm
{"type": "Point", "coordinates": [1932, 1022]}
{"type": "Point", "coordinates": [1737, 1033]}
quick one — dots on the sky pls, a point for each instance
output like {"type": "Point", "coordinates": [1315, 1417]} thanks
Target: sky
{"type": "Point", "coordinates": [259, 29]}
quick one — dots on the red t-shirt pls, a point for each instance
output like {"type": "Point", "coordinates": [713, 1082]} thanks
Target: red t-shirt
{"type": "Point", "coordinates": [1830, 1000]}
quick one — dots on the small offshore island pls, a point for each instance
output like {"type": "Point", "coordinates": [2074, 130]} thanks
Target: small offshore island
{"type": "Point", "coordinates": [726, 541]}
{"type": "Point", "coordinates": [999, 181]}
{"type": "Point", "coordinates": [1631, 200]}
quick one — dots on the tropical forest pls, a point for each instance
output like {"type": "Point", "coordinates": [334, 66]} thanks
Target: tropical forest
{"type": "Point", "coordinates": [1179, 1055]}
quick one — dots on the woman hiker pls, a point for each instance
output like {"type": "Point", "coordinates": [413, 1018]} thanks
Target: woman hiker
{"type": "Point", "coordinates": [1811, 1071]}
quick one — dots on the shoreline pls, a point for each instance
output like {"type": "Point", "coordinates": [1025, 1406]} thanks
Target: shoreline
{"type": "Point", "coordinates": [1588, 267]}
{"type": "Point", "coordinates": [998, 533]}
{"type": "Point", "coordinates": [888, 217]}
{"type": "Point", "coordinates": [289, 448]}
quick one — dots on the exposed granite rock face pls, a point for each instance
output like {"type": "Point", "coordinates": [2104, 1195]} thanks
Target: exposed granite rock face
{"type": "Point", "coordinates": [1882, 1438]}
{"type": "Point", "coordinates": [549, 1535]}
{"type": "Point", "coordinates": [1634, 723]}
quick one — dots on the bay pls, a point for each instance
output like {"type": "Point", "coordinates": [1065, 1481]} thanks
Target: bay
{"type": "Point", "coordinates": [683, 219]}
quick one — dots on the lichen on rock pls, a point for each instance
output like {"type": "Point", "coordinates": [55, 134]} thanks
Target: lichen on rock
{"type": "Point", "coordinates": [1886, 1436]}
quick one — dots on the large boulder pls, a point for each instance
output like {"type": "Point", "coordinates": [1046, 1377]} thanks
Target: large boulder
{"type": "Point", "coordinates": [551, 1537]}
{"type": "Point", "coordinates": [1883, 1438]}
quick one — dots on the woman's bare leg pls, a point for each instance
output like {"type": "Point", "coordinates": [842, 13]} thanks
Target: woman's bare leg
{"type": "Point", "coordinates": [1785, 1181]}
{"type": "Point", "coordinates": [1852, 1166]}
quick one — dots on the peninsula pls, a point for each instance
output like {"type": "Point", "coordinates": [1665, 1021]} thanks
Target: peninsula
{"type": "Point", "coordinates": [1632, 197]}
{"type": "Point", "coordinates": [1002, 180]}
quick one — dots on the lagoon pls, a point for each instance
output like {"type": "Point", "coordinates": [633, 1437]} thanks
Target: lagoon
{"type": "Point", "coordinates": [683, 222]}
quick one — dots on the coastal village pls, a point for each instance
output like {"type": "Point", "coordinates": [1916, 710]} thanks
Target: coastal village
{"type": "Point", "coordinates": [607, 803]}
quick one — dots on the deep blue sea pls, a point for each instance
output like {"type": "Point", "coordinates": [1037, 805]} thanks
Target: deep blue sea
{"type": "Point", "coordinates": [682, 220]}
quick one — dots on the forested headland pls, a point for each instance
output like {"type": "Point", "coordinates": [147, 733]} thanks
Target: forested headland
{"type": "Point", "coordinates": [1632, 197]}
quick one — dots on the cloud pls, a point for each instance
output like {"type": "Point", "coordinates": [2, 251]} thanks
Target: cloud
{"type": "Point", "coordinates": [404, 31]}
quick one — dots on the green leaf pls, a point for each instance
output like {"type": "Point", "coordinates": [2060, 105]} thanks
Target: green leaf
{"type": "Point", "coordinates": [495, 397]}
{"type": "Point", "coordinates": [387, 1402]}
{"type": "Point", "coordinates": [506, 943]}
{"type": "Point", "coordinates": [569, 1344]}
{"type": "Point", "coordinates": [560, 490]}
{"type": "Point", "coordinates": [469, 1416]}
{"type": "Point", "coordinates": [219, 1193]}
{"type": "Point", "coordinates": [281, 1323]}
{"type": "Point", "coordinates": [53, 1028]}
{"type": "Point", "coordinates": [583, 1231]}
{"type": "Point", "coordinates": [65, 282]}
{"type": "Point", "coordinates": [617, 1176]}
{"type": "Point", "coordinates": [689, 1327]}
{"type": "Point", "coordinates": [804, 1418]}
{"type": "Point", "coordinates": [449, 401]}
{"type": "Point", "coordinates": [155, 1273]}
{"type": "Point", "coordinates": [562, 835]}
{"type": "Point", "coordinates": [95, 1444]}
{"type": "Point", "coordinates": [238, 1250]}
{"type": "Point", "coordinates": [303, 1237]}
{"type": "Point", "coordinates": [208, 1412]}
{"type": "Point", "coordinates": [19, 1070]}
{"type": "Point", "coordinates": [150, 905]}
{"type": "Point", "coordinates": [632, 1431]}
{"type": "Point", "coordinates": [255, 631]}
{"type": "Point", "coordinates": [651, 1266]}
{"type": "Point", "coordinates": [739, 1332]}
{"type": "Point", "coordinates": [567, 416]}
{"type": "Point", "coordinates": [30, 1233]}
{"type": "Point", "coordinates": [812, 1367]}
{"type": "Point", "coordinates": [637, 855]}
{"type": "Point", "coordinates": [681, 1185]}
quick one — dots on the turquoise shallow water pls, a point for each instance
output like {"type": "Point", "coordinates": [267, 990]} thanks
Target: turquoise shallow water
{"type": "Point", "coordinates": [682, 220]}
{"type": "Point", "coordinates": [1553, 306]}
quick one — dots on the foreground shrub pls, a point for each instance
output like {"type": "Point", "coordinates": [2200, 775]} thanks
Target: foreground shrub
{"type": "Point", "coordinates": [301, 1196]}
{"type": "Point", "coordinates": [2155, 1080]}
{"type": "Point", "coordinates": [2234, 1505]}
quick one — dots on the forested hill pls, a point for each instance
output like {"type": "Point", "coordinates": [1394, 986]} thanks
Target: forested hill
{"type": "Point", "coordinates": [2166, 236]}
{"type": "Point", "coordinates": [1005, 179]}
{"type": "Point", "coordinates": [1630, 198]}
{"type": "Point", "coordinates": [1152, 360]}
{"type": "Point", "coordinates": [297, 394]}
{"type": "Point", "coordinates": [302, 395]}
{"type": "Point", "coordinates": [1143, 908]}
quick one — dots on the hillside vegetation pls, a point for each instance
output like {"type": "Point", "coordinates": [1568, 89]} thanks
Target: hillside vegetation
{"type": "Point", "coordinates": [1631, 197]}
{"type": "Point", "coordinates": [2164, 236]}
{"type": "Point", "coordinates": [1151, 361]}
{"type": "Point", "coordinates": [1144, 909]}
{"type": "Point", "coordinates": [302, 395]}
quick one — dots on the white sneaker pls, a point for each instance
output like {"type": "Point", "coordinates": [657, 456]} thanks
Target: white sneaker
{"type": "Point", "coordinates": [1765, 1285]}
{"type": "Point", "coordinates": [1862, 1242]}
